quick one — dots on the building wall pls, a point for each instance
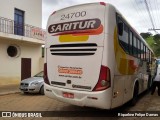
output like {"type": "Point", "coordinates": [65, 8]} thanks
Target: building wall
{"type": "Point", "coordinates": [32, 8]}
{"type": "Point", "coordinates": [10, 67]}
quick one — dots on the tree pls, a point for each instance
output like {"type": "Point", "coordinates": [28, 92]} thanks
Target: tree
{"type": "Point", "coordinates": [155, 45]}
{"type": "Point", "coordinates": [156, 38]}
{"type": "Point", "coordinates": [146, 35]}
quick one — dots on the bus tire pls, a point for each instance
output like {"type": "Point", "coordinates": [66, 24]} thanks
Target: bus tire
{"type": "Point", "coordinates": [135, 94]}
{"type": "Point", "coordinates": [149, 82]}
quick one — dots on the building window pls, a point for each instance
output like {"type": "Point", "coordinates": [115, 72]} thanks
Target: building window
{"type": "Point", "coordinates": [18, 22]}
{"type": "Point", "coordinates": [13, 51]}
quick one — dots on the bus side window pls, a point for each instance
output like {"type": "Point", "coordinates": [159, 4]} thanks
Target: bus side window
{"type": "Point", "coordinates": [123, 35]}
{"type": "Point", "coordinates": [130, 42]}
{"type": "Point", "coordinates": [142, 51]}
{"type": "Point", "coordinates": [120, 28]}
{"type": "Point", "coordinates": [134, 46]}
{"type": "Point", "coordinates": [139, 48]}
{"type": "Point", "coordinates": [147, 55]}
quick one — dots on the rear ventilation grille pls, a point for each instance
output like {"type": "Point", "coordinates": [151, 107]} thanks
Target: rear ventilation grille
{"type": "Point", "coordinates": [73, 49]}
{"type": "Point", "coordinates": [58, 83]}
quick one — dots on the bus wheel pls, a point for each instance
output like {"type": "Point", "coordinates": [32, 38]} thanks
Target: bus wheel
{"type": "Point", "coordinates": [135, 95]}
{"type": "Point", "coordinates": [149, 82]}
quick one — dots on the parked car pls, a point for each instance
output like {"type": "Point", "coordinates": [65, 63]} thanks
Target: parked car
{"type": "Point", "coordinates": [33, 85]}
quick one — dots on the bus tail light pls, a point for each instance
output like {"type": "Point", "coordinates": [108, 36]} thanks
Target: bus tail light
{"type": "Point", "coordinates": [45, 76]}
{"type": "Point", "coordinates": [53, 13]}
{"type": "Point", "coordinates": [103, 3]}
{"type": "Point", "coordinates": [104, 81]}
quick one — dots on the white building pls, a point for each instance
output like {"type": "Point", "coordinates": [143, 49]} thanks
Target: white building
{"type": "Point", "coordinates": [21, 38]}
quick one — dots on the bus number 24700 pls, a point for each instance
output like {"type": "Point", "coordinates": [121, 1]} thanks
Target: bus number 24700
{"type": "Point", "coordinates": [73, 15]}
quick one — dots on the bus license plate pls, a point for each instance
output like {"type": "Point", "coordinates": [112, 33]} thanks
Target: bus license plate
{"type": "Point", "coordinates": [68, 95]}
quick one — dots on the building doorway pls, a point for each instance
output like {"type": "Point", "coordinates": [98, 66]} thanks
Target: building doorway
{"type": "Point", "coordinates": [25, 68]}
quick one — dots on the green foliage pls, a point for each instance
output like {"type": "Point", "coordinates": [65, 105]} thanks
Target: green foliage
{"type": "Point", "coordinates": [146, 35]}
{"type": "Point", "coordinates": [156, 37]}
{"type": "Point", "coordinates": [154, 43]}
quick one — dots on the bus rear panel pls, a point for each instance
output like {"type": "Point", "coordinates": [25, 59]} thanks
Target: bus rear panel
{"type": "Point", "coordinates": [74, 71]}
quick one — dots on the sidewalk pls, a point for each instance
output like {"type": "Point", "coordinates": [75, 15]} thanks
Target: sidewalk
{"type": "Point", "coordinates": [9, 89]}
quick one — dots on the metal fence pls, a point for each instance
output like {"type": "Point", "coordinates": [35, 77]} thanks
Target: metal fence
{"type": "Point", "coordinates": [11, 27]}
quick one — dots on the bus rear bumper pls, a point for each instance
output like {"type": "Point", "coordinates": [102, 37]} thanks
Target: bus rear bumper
{"type": "Point", "coordinates": [99, 99]}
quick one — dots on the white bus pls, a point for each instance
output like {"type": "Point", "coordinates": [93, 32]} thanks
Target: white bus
{"type": "Point", "coordinates": [94, 57]}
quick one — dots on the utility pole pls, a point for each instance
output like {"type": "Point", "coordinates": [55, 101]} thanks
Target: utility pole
{"type": "Point", "coordinates": [153, 29]}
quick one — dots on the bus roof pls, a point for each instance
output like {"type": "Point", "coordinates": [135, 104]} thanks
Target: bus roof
{"type": "Point", "coordinates": [86, 4]}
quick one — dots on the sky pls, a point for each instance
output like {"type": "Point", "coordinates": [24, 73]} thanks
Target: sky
{"type": "Point", "coordinates": [135, 11]}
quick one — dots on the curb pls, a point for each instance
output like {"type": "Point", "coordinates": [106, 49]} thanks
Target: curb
{"type": "Point", "coordinates": [7, 93]}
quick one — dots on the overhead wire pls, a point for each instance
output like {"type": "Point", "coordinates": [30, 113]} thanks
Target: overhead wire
{"type": "Point", "coordinates": [157, 13]}
{"type": "Point", "coordinates": [149, 13]}
{"type": "Point", "coordinates": [151, 9]}
{"type": "Point", "coordinates": [152, 15]}
{"type": "Point", "coordinates": [138, 9]}
{"type": "Point", "coordinates": [152, 12]}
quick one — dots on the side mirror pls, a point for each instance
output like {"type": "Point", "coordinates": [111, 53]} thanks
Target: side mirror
{"type": "Point", "coordinates": [120, 29]}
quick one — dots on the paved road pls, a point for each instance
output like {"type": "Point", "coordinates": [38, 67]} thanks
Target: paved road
{"type": "Point", "coordinates": [31, 102]}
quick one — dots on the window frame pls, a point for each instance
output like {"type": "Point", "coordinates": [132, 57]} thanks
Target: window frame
{"type": "Point", "coordinates": [122, 42]}
{"type": "Point", "coordinates": [136, 46]}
